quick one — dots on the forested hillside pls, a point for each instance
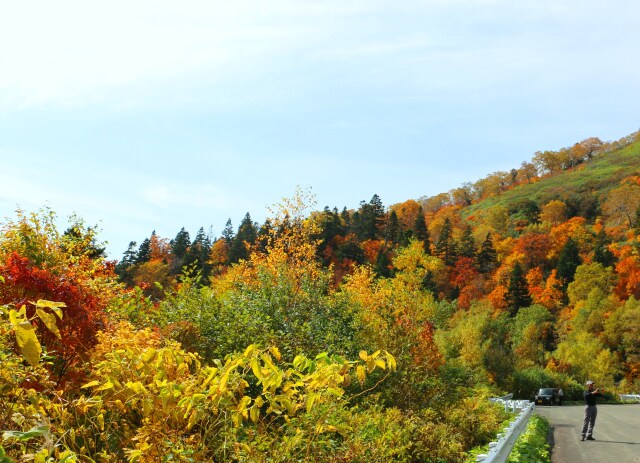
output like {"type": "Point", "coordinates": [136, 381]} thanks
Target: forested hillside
{"type": "Point", "coordinates": [333, 335]}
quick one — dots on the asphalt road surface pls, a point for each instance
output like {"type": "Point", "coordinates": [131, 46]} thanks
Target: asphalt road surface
{"type": "Point", "coordinates": [617, 434]}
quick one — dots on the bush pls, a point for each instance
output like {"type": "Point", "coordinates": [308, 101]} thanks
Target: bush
{"type": "Point", "coordinates": [525, 383]}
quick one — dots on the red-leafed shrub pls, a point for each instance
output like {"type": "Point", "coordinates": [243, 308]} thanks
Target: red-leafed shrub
{"type": "Point", "coordinates": [83, 315]}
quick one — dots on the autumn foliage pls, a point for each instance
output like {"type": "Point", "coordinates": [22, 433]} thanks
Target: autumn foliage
{"type": "Point", "coordinates": [372, 334]}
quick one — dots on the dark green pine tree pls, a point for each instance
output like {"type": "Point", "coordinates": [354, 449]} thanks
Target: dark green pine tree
{"type": "Point", "coordinates": [123, 268]}
{"type": "Point", "coordinates": [144, 251]}
{"type": "Point", "coordinates": [179, 247]}
{"type": "Point", "coordinates": [383, 264]}
{"type": "Point", "coordinates": [330, 227]}
{"type": "Point", "coordinates": [487, 257]}
{"type": "Point", "coordinates": [518, 295]}
{"type": "Point", "coordinates": [368, 220]}
{"type": "Point", "coordinates": [446, 245]}
{"type": "Point", "coordinates": [345, 221]}
{"type": "Point", "coordinates": [247, 233]}
{"type": "Point", "coordinates": [568, 262]}
{"type": "Point", "coordinates": [429, 283]}
{"type": "Point", "coordinates": [227, 233]}
{"type": "Point", "coordinates": [393, 229]}
{"type": "Point", "coordinates": [601, 252]}
{"type": "Point", "coordinates": [198, 254]}
{"type": "Point", "coordinates": [421, 232]}
{"type": "Point", "coordinates": [467, 247]}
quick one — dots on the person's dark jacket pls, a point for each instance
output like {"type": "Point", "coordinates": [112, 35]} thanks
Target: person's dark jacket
{"type": "Point", "coordinates": [590, 397]}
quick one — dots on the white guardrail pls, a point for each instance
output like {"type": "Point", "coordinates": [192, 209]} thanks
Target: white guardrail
{"type": "Point", "coordinates": [499, 451]}
{"type": "Point", "coordinates": [635, 397]}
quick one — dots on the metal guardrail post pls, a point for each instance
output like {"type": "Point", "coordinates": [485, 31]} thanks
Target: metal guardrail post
{"type": "Point", "coordinates": [499, 451]}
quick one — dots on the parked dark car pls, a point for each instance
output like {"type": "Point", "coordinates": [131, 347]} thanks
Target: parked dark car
{"type": "Point", "coordinates": [548, 396]}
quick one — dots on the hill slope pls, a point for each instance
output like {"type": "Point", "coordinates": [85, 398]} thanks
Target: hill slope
{"type": "Point", "coordinates": [587, 184]}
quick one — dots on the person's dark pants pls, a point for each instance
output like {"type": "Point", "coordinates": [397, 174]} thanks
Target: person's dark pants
{"type": "Point", "coordinates": [590, 413]}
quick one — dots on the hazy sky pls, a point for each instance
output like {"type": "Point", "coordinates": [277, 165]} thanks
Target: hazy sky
{"type": "Point", "coordinates": [143, 115]}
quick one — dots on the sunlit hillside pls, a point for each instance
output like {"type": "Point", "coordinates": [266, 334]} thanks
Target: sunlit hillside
{"type": "Point", "coordinates": [376, 334]}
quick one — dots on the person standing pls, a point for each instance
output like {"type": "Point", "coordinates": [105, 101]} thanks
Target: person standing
{"type": "Point", "coordinates": [590, 410]}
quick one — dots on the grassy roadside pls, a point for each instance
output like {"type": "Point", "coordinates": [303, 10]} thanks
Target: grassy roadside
{"type": "Point", "coordinates": [532, 445]}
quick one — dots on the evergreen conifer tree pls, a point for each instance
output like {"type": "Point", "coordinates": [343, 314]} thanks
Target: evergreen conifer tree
{"type": "Point", "coordinates": [247, 233]}
{"type": "Point", "coordinates": [382, 267]}
{"type": "Point", "coordinates": [518, 295]}
{"type": "Point", "coordinates": [568, 262]}
{"type": "Point", "coordinates": [446, 245]}
{"type": "Point", "coordinates": [129, 258]}
{"type": "Point", "coordinates": [179, 247]}
{"type": "Point", "coordinates": [429, 283]}
{"type": "Point", "coordinates": [144, 251]}
{"type": "Point", "coordinates": [198, 253]}
{"type": "Point", "coordinates": [421, 232]}
{"type": "Point", "coordinates": [368, 220]}
{"type": "Point", "coordinates": [345, 221]}
{"type": "Point", "coordinates": [601, 252]}
{"type": "Point", "coordinates": [467, 246]}
{"type": "Point", "coordinates": [487, 257]}
{"type": "Point", "coordinates": [227, 233]}
{"type": "Point", "coordinates": [393, 232]}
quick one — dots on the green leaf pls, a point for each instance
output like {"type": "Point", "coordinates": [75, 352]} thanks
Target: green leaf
{"type": "Point", "coordinates": [26, 435]}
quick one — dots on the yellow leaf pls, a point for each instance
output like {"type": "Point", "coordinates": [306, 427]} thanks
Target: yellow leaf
{"type": "Point", "coordinates": [311, 398]}
{"type": "Point", "coordinates": [148, 355]}
{"type": "Point", "coordinates": [14, 319]}
{"type": "Point", "coordinates": [55, 306]}
{"type": "Point", "coordinates": [254, 413]}
{"type": "Point", "coordinates": [257, 370]}
{"type": "Point", "coordinates": [276, 353]}
{"type": "Point", "coordinates": [250, 350]}
{"type": "Point", "coordinates": [391, 361]}
{"type": "Point", "coordinates": [90, 384]}
{"type": "Point", "coordinates": [146, 408]}
{"type": "Point", "coordinates": [49, 304]}
{"type": "Point", "coordinates": [41, 456]}
{"type": "Point", "coordinates": [363, 355]}
{"type": "Point", "coordinates": [105, 386]}
{"type": "Point", "coordinates": [223, 382]}
{"type": "Point", "coordinates": [49, 321]}
{"type": "Point", "coordinates": [371, 364]}
{"type": "Point", "coordinates": [28, 342]}
{"type": "Point", "coordinates": [361, 373]}
{"type": "Point", "coordinates": [210, 377]}
{"type": "Point", "coordinates": [289, 406]}
{"type": "Point", "coordinates": [380, 363]}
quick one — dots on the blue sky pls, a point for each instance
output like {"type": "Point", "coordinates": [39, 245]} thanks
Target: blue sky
{"type": "Point", "coordinates": [143, 115]}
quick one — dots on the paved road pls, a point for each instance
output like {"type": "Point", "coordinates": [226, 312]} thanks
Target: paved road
{"type": "Point", "coordinates": [617, 434]}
